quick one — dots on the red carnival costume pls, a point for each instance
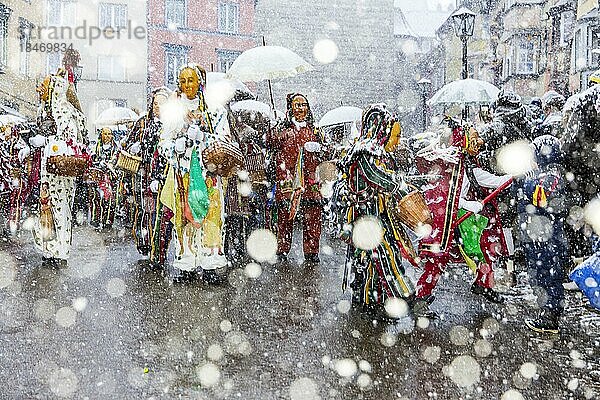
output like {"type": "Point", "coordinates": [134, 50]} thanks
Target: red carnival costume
{"type": "Point", "coordinates": [296, 180]}
{"type": "Point", "coordinates": [445, 196]}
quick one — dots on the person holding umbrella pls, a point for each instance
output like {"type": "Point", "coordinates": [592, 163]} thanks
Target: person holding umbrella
{"type": "Point", "coordinates": [297, 148]}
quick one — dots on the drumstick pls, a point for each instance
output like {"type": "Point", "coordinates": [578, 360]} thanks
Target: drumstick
{"type": "Point", "coordinates": [488, 198]}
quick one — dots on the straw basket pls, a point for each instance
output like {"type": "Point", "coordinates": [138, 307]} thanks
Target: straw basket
{"type": "Point", "coordinates": [70, 166]}
{"type": "Point", "coordinates": [128, 162]}
{"type": "Point", "coordinates": [255, 165]}
{"type": "Point", "coordinates": [413, 211]}
{"type": "Point", "coordinates": [222, 158]}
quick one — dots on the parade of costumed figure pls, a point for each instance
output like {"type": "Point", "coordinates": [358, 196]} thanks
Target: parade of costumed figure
{"type": "Point", "coordinates": [64, 127]}
{"type": "Point", "coordinates": [143, 142]}
{"type": "Point", "coordinates": [184, 198]}
{"type": "Point", "coordinates": [376, 240]}
{"type": "Point", "coordinates": [581, 134]}
{"type": "Point", "coordinates": [297, 148]}
{"type": "Point", "coordinates": [103, 199]}
{"type": "Point", "coordinates": [448, 196]}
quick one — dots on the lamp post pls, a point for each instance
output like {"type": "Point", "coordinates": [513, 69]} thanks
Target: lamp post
{"type": "Point", "coordinates": [463, 21]}
{"type": "Point", "coordinates": [424, 85]}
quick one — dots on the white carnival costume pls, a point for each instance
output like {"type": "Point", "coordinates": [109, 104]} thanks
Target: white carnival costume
{"type": "Point", "coordinates": [64, 137]}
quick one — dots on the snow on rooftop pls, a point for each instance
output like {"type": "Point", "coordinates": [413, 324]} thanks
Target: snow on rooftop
{"type": "Point", "coordinates": [421, 18]}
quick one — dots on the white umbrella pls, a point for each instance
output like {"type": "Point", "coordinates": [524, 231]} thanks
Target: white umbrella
{"type": "Point", "coordinates": [219, 78]}
{"type": "Point", "coordinates": [341, 115]}
{"type": "Point", "coordinates": [253, 107]}
{"type": "Point", "coordinates": [465, 91]}
{"type": "Point", "coordinates": [116, 116]}
{"type": "Point", "coordinates": [267, 62]}
{"type": "Point", "coordinates": [7, 119]}
{"type": "Point", "coordinates": [220, 90]}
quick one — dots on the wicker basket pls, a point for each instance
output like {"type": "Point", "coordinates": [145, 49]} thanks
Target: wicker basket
{"type": "Point", "coordinates": [70, 166]}
{"type": "Point", "coordinates": [222, 158]}
{"type": "Point", "coordinates": [413, 211]}
{"type": "Point", "coordinates": [128, 162]}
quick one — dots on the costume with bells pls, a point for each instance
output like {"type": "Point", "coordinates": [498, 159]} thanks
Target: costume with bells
{"type": "Point", "coordinates": [297, 147]}
{"type": "Point", "coordinates": [103, 199]}
{"type": "Point", "coordinates": [370, 190]}
{"type": "Point", "coordinates": [448, 198]}
{"type": "Point", "coordinates": [184, 198]}
{"type": "Point", "coordinates": [66, 134]}
{"type": "Point", "coordinates": [143, 142]}
{"type": "Point", "coordinates": [542, 211]}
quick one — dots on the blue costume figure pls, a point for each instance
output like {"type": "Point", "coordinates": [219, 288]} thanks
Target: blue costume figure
{"type": "Point", "coordinates": [541, 212]}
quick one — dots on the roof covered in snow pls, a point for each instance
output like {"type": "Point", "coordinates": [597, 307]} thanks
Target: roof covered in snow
{"type": "Point", "coordinates": [420, 18]}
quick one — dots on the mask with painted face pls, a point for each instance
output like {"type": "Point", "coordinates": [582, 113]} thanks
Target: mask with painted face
{"type": "Point", "coordinates": [475, 143]}
{"type": "Point", "coordinates": [189, 82]}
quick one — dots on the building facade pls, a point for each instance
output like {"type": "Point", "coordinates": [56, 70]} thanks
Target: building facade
{"type": "Point", "coordinates": [211, 33]}
{"type": "Point", "coordinates": [562, 19]}
{"type": "Point", "coordinates": [585, 55]}
{"type": "Point", "coordinates": [366, 62]}
{"type": "Point", "coordinates": [111, 38]}
{"type": "Point", "coordinates": [418, 48]}
{"type": "Point", "coordinates": [20, 69]}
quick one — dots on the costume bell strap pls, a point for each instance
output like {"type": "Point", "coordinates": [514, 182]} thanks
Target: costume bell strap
{"type": "Point", "coordinates": [465, 142]}
{"type": "Point", "coordinates": [540, 195]}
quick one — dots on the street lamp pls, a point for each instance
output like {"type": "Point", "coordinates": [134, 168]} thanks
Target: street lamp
{"type": "Point", "coordinates": [424, 85]}
{"type": "Point", "coordinates": [463, 21]}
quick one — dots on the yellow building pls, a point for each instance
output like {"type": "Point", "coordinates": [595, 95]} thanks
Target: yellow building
{"type": "Point", "coordinates": [585, 57]}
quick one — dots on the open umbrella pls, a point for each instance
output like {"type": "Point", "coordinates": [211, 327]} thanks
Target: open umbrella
{"type": "Point", "coordinates": [465, 91]}
{"type": "Point", "coordinates": [267, 62]}
{"type": "Point", "coordinates": [220, 90]}
{"type": "Point", "coordinates": [7, 119]}
{"type": "Point", "coordinates": [252, 107]}
{"type": "Point", "coordinates": [341, 115]}
{"type": "Point", "coordinates": [116, 116]}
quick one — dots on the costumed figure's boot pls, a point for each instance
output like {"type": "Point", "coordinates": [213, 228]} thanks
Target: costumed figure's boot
{"type": "Point", "coordinates": [312, 259]}
{"type": "Point", "coordinates": [489, 293]}
{"type": "Point", "coordinates": [484, 282]}
{"type": "Point", "coordinates": [213, 277]}
{"type": "Point", "coordinates": [186, 277]}
{"type": "Point", "coordinates": [420, 307]}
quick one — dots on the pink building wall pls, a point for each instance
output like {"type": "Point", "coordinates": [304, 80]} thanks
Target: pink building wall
{"type": "Point", "coordinates": [200, 34]}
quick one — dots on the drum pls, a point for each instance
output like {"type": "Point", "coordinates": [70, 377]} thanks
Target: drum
{"type": "Point", "coordinates": [69, 166]}
{"type": "Point", "coordinates": [222, 158]}
{"type": "Point", "coordinates": [327, 171]}
{"type": "Point", "coordinates": [128, 162]}
{"type": "Point", "coordinates": [412, 211]}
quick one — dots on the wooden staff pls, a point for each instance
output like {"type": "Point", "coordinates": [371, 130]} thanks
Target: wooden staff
{"type": "Point", "coordinates": [488, 198]}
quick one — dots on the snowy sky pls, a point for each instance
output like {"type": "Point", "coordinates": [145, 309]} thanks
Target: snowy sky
{"type": "Point", "coordinates": [434, 5]}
